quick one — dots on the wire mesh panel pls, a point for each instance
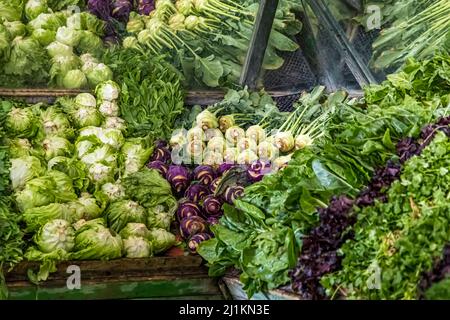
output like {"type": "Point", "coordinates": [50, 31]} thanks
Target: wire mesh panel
{"type": "Point", "coordinates": [295, 75]}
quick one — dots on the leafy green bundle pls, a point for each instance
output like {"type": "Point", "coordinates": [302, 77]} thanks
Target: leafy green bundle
{"type": "Point", "coordinates": [152, 96]}
{"type": "Point", "coordinates": [43, 42]}
{"type": "Point", "coordinates": [418, 34]}
{"type": "Point", "coordinates": [396, 241]}
{"type": "Point", "coordinates": [11, 243]}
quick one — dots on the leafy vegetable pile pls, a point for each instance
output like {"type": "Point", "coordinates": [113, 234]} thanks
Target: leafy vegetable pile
{"type": "Point", "coordinates": [11, 249]}
{"type": "Point", "coordinates": [419, 35]}
{"type": "Point", "coordinates": [208, 39]}
{"type": "Point", "coordinates": [40, 46]}
{"type": "Point", "coordinates": [152, 96]}
{"type": "Point", "coordinates": [360, 139]}
{"type": "Point", "coordinates": [264, 231]}
{"type": "Point", "coordinates": [78, 183]}
{"type": "Point", "coordinates": [395, 241]}
{"type": "Point", "coordinates": [11, 243]}
{"type": "Point", "coordinates": [434, 284]}
{"type": "Point", "coordinates": [320, 252]}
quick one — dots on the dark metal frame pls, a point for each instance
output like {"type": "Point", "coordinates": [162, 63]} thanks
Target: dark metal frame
{"type": "Point", "coordinates": [261, 33]}
{"type": "Point", "coordinates": [359, 69]}
{"type": "Point", "coordinates": [258, 43]}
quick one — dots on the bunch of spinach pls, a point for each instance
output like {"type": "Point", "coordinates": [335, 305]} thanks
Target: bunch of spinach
{"type": "Point", "coordinates": [245, 239]}
{"type": "Point", "coordinates": [151, 96]}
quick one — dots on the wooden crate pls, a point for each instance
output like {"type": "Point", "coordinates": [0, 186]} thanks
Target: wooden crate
{"type": "Point", "coordinates": [182, 277]}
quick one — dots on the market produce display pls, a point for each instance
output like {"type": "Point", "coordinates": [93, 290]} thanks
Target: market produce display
{"type": "Point", "coordinates": [361, 138]}
{"type": "Point", "coordinates": [397, 240]}
{"type": "Point", "coordinates": [78, 183]}
{"type": "Point", "coordinates": [45, 42]}
{"type": "Point", "coordinates": [339, 198]}
{"type": "Point", "coordinates": [208, 40]}
{"type": "Point", "coordinates": [42, 44]}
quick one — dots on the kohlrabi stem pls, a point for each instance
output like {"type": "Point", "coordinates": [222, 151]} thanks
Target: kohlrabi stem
{"type": "Point", "coordinates": [182, 42]}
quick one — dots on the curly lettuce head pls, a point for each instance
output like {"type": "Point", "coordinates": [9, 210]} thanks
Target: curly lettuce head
{"type": "Point", "coordinates": [43, 36]}
{"type": "Point", "coordinates": [56, 146]}
{"type": "Point", "coordinates": [26, 59]}
{"type": "Point", "coordinates": [134, 229]}
{"type": "Point", "coordinates": [161, 240]}
{"type": "Point", "coordinates": [56, 48]}
{"type": "Point", "coordinates": [137, 247]}
{"type": "Point", "coordinates": [68, 36]}
{"type": "Point", "coordinates": [21, 123]}
{"type": "Point", "coordinates": [33, 8]}
{"type": "Point", "coordinates": [24, 169]}
{"type": "Point", "coordinates": [99, 73]}
{"type": "Point", "coordinates": [158, 218]}
{"type": "Point", "coordinates": [95, 242]}
{"type": "Point", "coordinates": [115, 123]}
{"type": "Point", "coordinates": [15, 28]}
{"type": "Point", "coordinates": [122, 212]}
{"type": "Point", "coordinates": [86, 116]}
{"type": "Point", "coordinates": [90, 42]}
{"type": "Point", "coordinates": [135, 153]}
{"type": "Point", "coordinates": [37, 217]}
{"type": "Point", "coordinates": [74, 79]}
{"type": "Point", "coordinates": [104, 155]}
{"type": "Point", "coordinates": [72, 167]}
{"type": "Point", "coordinates": [61, 65]}
{"type": "Point", "coordinates": [101, 173]}
{"type": "Point", "coordinates": [86, 100]}
{"type": "Point", "coordinates": [110, 192]}
{"type": "Point", "coordinates": [37, 192]}
{"type": "Point", "coordinates": [64, 190]}
{"type": "Point", "coordinates": [107, 91]}
{"type": "Point", "coordinates": [56, 123]}
{"type": "Point", "coordinates": [22, 147]}
{"type": "Point", "coordinates": [47, 21]}
{"type": "Point", "coordinates": [86, 207]}
{"type": "Point", "coordinates": [55, 234]}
